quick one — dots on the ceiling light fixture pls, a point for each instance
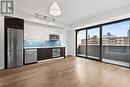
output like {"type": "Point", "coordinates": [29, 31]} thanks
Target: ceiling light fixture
{"type": "Point", "coordinates": [55, 9]}
{"type": "Point", "coordinates": [45, 17]}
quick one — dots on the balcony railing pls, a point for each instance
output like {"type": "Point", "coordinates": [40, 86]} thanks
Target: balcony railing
{"type": "Point", "coordinates": [118, 53]}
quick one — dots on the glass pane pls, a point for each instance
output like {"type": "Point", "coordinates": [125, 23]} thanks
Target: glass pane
{"type": "Point", "coordinates": [93, 43]}
{"type": "Point", "coordinates": [115, 43]}
{"type": "Point", "coordinates": [81, 43]}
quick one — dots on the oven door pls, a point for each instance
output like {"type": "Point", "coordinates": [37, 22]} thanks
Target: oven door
{"type": "Point", "coordinates": [56, 52]}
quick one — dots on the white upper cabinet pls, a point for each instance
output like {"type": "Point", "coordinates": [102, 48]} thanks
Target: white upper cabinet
{"type": "Point", "coordinates": [35, 32]}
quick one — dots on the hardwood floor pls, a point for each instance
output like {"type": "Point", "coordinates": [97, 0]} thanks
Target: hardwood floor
{"type": "Point", "coordinates": [69, 72]}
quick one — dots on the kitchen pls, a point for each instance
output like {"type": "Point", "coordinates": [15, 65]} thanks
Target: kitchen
{"type": "Point", "coordinates": [36, 43]}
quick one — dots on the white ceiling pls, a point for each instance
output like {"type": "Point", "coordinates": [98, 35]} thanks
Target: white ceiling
{"type": "Point", "coordinates": [72, 10]}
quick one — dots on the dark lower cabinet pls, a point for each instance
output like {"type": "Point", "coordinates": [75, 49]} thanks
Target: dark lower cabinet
{"type": "Point", "coordinates": [62, 52]}
{"type": "Point", "coordinates": [44, 53]}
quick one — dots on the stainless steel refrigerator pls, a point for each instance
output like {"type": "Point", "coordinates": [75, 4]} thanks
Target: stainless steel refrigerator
{"type": "Point", "coordinates": [15, 48]}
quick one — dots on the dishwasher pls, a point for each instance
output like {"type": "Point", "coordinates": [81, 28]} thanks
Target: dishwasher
{"type": "Point", "coordinates": [30, 56]}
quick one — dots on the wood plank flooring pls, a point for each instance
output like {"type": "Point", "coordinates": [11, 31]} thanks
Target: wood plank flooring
{"type": "Point", "coordinates": [69, 72]}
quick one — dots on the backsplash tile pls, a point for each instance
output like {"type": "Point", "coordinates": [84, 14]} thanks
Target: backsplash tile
{"type": "Point", "coordinates": [41, 43]}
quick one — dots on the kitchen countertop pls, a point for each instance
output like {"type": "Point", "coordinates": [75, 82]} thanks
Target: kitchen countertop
{"type": "Point", "coordinates": [42, 47]}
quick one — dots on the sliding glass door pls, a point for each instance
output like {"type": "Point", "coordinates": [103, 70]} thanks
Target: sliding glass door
{"type": "Point", "coordinates": [108, 42]}
{"type": "Point", "coordinates": [81, 43]}
{"type": "Point", "coordinates": [116, 43]}
{"type": "Point", "coordinates": [93, 43]}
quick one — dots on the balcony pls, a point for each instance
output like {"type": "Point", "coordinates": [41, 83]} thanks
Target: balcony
{"type": "Point", "coordinates": [113, 54]}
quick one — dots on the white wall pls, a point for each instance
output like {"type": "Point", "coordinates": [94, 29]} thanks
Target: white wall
{"type": "Point", "coordinates": [1, 42]}
{"type": "Point", "coordinates": [33, 31]}
{"type": "Point", "coordinates": [71, 42]}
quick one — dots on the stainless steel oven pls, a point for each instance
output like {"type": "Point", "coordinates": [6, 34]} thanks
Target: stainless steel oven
{"type": "Point", "coordinates": [56, 52]}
